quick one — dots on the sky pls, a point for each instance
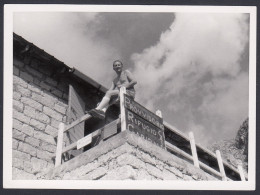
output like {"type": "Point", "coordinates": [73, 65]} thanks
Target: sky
{"type": "Point", "coordinates": [191, 66]}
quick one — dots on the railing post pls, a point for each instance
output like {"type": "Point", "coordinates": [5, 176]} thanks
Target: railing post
{"type": "Point", "coordinates": [194, 150]}
{"type": "Point", "coordinates": [220, 165]}
{"type": "Point", "coordinates": [59, 144]}
{"type": "Point", "coordinates": [122, 108]}
{"type": "Point", "coordinates": [158, 113]}
{"type": "Point", "coordinates": [240, 170]}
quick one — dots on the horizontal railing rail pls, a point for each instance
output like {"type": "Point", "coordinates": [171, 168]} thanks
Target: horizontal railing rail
{"type": "Point", "coordinates": [74, 145]}
{"type": "Point", "coordinates": [74, 123]}
{"type": "Point", "coordinates": [86, 140]}
{"type": "Point", "coordinates": [201, 164]}
{"type": "Point", "coordinates": [189, 157]}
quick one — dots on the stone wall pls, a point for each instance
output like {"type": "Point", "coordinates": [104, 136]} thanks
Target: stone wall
{"type": "Point", "coordinates": [127, 156]}
{"type": "Point", "coordinates": [39, 105]}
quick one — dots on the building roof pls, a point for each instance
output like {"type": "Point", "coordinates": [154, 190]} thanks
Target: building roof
{"type": "Point", "coordinates": [25, 46]}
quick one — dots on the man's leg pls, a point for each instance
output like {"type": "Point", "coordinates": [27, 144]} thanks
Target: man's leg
{"type": "Point", "coordinates": [100, 110]}
{"type": "Point", "coordinates": [105, 101]}
{"type": "Point", "coordinates": [112, 100]}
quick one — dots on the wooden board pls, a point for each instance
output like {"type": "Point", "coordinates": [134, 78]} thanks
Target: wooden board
{"type": "Point", "coordinates": [141, 111]}
{"type": "Point", "coordinates": [75, 111]}
{"type": "Point", "coordinates": [110, 129]}
{"type": "Point", "coordinates": [144, 129]}
{"type": "Point", "coordinates": [84, 141]}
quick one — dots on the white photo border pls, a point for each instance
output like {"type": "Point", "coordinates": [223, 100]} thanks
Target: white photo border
{"type": "Point", "coordinates": [9, 10]}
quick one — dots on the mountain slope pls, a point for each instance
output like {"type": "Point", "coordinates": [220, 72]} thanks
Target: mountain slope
{"type": "Point", "coordinates": [235, 149]}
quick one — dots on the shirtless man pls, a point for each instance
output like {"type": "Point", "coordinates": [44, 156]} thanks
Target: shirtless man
{"type": "Point", "coordinates": [124, 79]}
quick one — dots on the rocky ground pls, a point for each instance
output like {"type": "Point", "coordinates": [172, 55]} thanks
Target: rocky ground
{"type": "Point", "coordinates": [235, 149]}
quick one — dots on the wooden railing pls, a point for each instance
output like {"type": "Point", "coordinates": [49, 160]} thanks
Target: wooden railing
{"type": "Point", "coordinates": [193, 157]}
{"type": "Point", "coordinates": [83, 141]}
{"type": "Point", "coordinates": [63, 129]}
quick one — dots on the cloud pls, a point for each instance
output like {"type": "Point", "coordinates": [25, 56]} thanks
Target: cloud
{"type": "Point", "coordinates": [92, 41]}
{"type": "Point", "coordinates": [71, 38]}
{"type": "Point", "coordinates": [194, 73]}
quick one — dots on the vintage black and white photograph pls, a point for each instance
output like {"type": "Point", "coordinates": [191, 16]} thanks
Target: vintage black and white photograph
{"type": "Point", "coordinates": [145, 97]}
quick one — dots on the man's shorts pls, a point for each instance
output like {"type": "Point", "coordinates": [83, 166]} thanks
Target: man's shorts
{"type": "Point", "coordinates": [115, 98]}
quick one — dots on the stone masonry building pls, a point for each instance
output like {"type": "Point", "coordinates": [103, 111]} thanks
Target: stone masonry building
{"type": "Point", "coordinates": [43, 89]}
{"type": "Point", "coordinates": [40, 103]}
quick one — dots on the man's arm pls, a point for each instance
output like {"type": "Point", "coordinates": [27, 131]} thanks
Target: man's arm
{"type": "Point", "coordinates": [131, 79]}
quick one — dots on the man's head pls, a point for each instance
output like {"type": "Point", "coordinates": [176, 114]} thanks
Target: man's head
{"type": "Point", "coordinates": [117, 66]}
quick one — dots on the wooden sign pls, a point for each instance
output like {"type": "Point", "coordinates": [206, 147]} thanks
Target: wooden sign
{"type": "Point", "coordinates": [144, 129]}
{"type": "Point", "coordinates": [141, 111]}
{"type": "Point", "coordinates": [84, 141]}
{"type": "Point", "coordinates": [143, 122]}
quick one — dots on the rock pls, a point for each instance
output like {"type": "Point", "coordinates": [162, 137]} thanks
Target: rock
{"type": "Point", "coordinates": [38, 165]}
{"type": "Point", "coordinates": [20, 174]}
{"type": "Point", "coordinates": [234, 149]}
{"type": "Point", "coordinates": [241, 140]}
{"type": "Point", "coordinates": [121, 173]}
